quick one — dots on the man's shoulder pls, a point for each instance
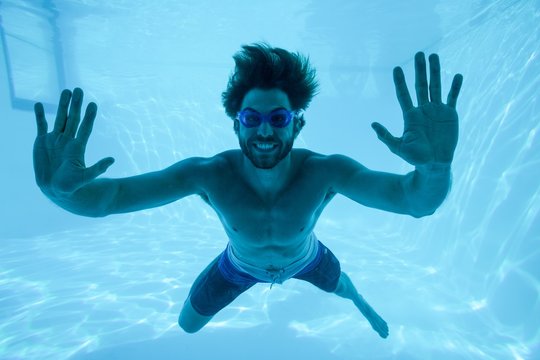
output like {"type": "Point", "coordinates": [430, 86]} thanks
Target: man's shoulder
{"type": "Point", "coordinates": [333, 167]}
{"type": "Point", "coordinates": [225, 159]}
{"type": "Point", "coordinates": [312, 158]}
{"type": "Point", "coordinates": [199, 167]}
{"type": "Point", "coordinates": [307, 155]}
{"type": "Point", "coordinates": [222, 163]}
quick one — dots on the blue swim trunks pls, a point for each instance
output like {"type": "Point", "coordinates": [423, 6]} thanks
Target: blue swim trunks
{"type": "Point", "coordinates": [223, 281]}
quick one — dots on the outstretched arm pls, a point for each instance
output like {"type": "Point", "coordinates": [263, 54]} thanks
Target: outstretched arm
{"type": "Point", "coordinates": [428, 142]}
{"type": "Point", "coordinates": [430, 134]}
{"type": "Point", "coordinates": [63, 177]}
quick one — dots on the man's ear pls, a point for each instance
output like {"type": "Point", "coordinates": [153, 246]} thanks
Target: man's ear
{"type": "Point", "coordinates": [298, 125]}
{"type": "Point", "coordinates": [236, 126]}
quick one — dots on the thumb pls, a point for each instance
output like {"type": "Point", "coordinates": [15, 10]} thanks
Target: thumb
{"type": "Point", "coordinates": [98, 168]}
{"type": "Point", "coordinates": [388, 139]}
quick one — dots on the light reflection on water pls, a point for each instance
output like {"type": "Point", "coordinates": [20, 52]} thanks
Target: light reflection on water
{"type": "Point", "coordinates": [461, 284]}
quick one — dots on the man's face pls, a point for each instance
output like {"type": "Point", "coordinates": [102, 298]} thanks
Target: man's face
{"type": "Point", "coordinates": [265, 145]}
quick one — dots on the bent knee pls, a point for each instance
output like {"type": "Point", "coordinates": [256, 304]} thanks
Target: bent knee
{"type": "Point", "coordinates": [189, 328]}
{"type": "Point", "coordinates": [190, 320]}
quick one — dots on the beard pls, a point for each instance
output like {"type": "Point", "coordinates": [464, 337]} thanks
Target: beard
{"type": "Point", "coordinates": [265, 160]}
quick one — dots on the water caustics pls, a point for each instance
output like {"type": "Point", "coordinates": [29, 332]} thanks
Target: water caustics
{"type": "Point", "coordinates": [463, 283]}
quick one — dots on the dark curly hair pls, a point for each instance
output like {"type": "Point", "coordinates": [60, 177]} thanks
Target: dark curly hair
{"type": "Point", "coordinates": [261, 66]}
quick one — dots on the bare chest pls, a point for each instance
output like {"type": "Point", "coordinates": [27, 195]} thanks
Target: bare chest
{"type": "Point", "coordinates": [266, 219]}
{"type": "Point", "coordinates": [272, 223]}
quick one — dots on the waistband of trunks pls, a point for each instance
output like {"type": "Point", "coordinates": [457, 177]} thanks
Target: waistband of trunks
{"type": "Point", "coordinates": [281, 274]}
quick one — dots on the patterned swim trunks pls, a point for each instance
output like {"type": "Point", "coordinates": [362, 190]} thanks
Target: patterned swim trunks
{"type": "Point", "coordinates": [227, 277]}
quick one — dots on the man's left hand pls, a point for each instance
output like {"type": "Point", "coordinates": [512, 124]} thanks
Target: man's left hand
{"type": "Point", "coordinates": [431, 129]}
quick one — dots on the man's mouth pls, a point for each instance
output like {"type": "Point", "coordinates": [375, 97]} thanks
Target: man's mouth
{"type": "Point", "coordinates": [264, 146]}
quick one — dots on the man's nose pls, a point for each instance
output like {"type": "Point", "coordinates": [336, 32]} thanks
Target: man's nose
{"type": "Point", "coordinates": [265, 129]}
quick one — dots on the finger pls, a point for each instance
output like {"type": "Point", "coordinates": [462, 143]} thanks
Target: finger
{"type": "Point", "coordinates": [40, 119]}
{"type": "Point", "coordinates": [402, 92]}
{"type": "Point", "coordinates": [74, 117]}
{"type": "Point", "coordinates": [87, 124]}
{"type": "Point", "coordinates": [388, 139]}
{"type": "Point", "coordinates": [97, 169]}
{"type": "Point", "coordinates": [435, 78]}
{"type": "Point", "coordinates": [421, 78]}
{"type": "Point", "coordinates": [454, 90]}
{"type": "Point", "coordinates": [61, 114]}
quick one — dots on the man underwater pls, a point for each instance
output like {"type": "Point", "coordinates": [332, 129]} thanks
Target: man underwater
{"type": "Point", "coordinates": [267, 195]}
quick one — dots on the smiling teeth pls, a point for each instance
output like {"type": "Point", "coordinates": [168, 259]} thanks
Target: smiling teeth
{"type": "Point", "coordinates": [265, 146]}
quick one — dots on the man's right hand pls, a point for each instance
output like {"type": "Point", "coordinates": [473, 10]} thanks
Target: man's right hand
{"type": "Point", "coordinates": [59, 155]}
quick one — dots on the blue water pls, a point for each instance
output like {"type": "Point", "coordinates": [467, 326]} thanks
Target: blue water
{"type": "Point", "coordinates": [463, 283]}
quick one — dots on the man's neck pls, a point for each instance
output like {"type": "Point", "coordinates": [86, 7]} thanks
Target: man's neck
{"type": "Point", "coordinates": [268, 180]}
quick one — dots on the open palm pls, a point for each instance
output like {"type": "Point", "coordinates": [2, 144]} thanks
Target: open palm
{"type": "Point", "coordinates": [430, 131]}
{"type": "Point", "coordinates": [59, 155]}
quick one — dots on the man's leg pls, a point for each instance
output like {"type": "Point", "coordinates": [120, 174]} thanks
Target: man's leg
{"type": "Point", "coordinates": [326, 274]}
{"type": "Point", "coordinates": [346, 289]}
{"type": "Point", "coordinates": [211, 292]}
{"type": "Point", "coordinates": [190, 320]}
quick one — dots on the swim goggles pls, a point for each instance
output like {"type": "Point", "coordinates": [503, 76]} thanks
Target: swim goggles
{"type": "Point", "coordinates": [279, 118]}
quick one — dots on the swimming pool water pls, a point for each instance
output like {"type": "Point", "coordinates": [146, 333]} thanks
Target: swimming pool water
{"type": "Point", "coordinates": [460, 284]}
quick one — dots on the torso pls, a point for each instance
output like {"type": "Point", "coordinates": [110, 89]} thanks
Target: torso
{"type": "Point", "coordinates": [269, 229]}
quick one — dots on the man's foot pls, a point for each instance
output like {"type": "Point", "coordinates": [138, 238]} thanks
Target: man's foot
{"type": "Point", "coordinates": [347, 290]}
{"type": "Point", "coordinates": [377, 322]}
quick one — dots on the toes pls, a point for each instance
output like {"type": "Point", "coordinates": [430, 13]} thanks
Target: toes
{"type": "Point", "coordinates": [382, 328]}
